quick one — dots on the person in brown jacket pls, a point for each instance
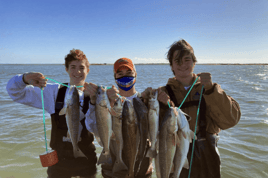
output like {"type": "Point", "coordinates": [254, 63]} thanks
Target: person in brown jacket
{"type": "Point", "coordinates": [218, 111]}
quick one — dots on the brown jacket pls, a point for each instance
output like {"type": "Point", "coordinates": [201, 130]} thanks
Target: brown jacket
{"type": "Point", "coordinates": [222, 111]}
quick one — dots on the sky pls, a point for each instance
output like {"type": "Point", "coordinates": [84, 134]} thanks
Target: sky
{"type": "Point", "coordinates": [43, 32]}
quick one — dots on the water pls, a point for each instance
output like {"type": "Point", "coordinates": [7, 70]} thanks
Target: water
{"type": "Point", "coordinates": [243, 148]}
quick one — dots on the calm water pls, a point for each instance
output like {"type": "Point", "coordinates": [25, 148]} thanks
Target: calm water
{"type": "Point", "coordinates": [243, 148]}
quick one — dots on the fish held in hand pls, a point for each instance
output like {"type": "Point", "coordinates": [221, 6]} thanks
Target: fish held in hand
{"type": "Point", "coordinates": [73, 115]}
{"type": "Point", "coordinates": [119, 165]}
{"type": "Point", "coordinates": [104, 124]}
{"type": "Point", "coordinates": [185, 136]}
{"type": "Point", "coordinates": [142, 116]}
{"type": "Point", "coordinates": [129, 129]}
{"type": "Point", "coordinates": [167, 142]}
{"type": "Point", "coordinates": [153, 117]}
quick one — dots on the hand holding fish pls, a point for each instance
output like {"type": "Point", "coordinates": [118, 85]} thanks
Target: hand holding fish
{"type": "Point", "coordinates": [164, 98]}
{"type": "Point", "coordinates": [35, 78]}
{"type": "Point", "coordinates": [91, 91]}
{"type": "Point", "coordinates": [113, 94]}
{"type": "Point", "coordinates": [206, 80]}
{"type": "Point", "coordinates": [146, 93]}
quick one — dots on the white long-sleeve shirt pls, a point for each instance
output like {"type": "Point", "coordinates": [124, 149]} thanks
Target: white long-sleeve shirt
{"type": "Point", "coordinates": [31, 96]}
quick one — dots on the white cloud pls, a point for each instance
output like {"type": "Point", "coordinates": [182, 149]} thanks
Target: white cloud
{"type": "Point", "coordinates": [149, 60]}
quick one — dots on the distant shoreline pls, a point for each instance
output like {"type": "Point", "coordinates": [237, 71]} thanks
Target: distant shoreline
{"type": "Point", "coordinates": [156, 64]}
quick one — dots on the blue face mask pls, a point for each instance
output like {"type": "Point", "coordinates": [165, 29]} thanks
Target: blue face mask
{"type": "Point", "coordinates": [125, 83]}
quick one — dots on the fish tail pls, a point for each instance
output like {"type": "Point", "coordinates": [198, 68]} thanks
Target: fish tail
{"type": "Point", "coordinates": [151, 153]}
{"type": "Point", "coordinates": [119, 165]}
{"type": "Point", "coordinates": [78, 153]}
{"type": "Point", "coordinates": [105, 158]}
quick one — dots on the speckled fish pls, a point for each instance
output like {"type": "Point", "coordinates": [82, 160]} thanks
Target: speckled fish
{"type": "Point", "coordinates": [142, 116]}
{"type": "Point", "coordinates": [73, 115]}
{"type": "Point", "coordinates": [104, 124]}
{"type": "Point", "coordinates": [156, 161]}
{"type": "Point", "coordinates": [153, 117]}
{"type": "Point", "coordinates": [167, 142]}
{"type": "Point", "coordinates": [119, 165]}
{"type": "Point", "coordinates": [129, 128]}
{"type": "Point", "coordinates": [185, 136]}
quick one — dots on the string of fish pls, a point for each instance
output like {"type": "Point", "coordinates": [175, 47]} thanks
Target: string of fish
{"type": "Point", "coordinates": [196, 119]}
{"type": "Point", "coordinates": [44, 107]}
{"type": "Point", "coordinates": [110, 87]}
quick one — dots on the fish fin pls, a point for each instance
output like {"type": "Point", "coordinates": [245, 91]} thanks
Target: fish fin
{"type": "Point", "coordinates": [184, 134]}
{"type": "Point", "coordinates": [119, 166]}
{"type": "Point", "coordinates": [151, 153]}
{"type": "Point", "coordinates": [105, 159]}
{"type": "Point", "coordinates": [186, 164]}
{"type": "Point", "coordinates": [63, 111]}
{"type": "Point", "coordinates": [82, 115]}
{"type": "Point", "coordinates": [78, 153]}
{"type": "Point", "coordinates": [113, 137]}
{"type": "Point", "coordinates": [178, 141]}
{"type": "Point", "coordinates": [192, 136]}
{"type": "Point", "coordinates": [66, 139]}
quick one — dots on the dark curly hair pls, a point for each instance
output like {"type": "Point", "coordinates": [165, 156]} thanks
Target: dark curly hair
{"type": "Point", "coordinates": [75, 54]}
{"type": "Point", "coordinates": [183, 48]}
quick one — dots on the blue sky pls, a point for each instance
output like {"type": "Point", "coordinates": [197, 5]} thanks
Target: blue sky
{"type": "Point", "coordinates": [221, 31]}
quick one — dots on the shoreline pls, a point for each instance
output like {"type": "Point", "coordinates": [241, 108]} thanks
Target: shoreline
{"type": "Point", "coordinates": [155, 64]}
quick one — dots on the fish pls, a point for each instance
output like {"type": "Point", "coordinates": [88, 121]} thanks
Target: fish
{"type": "Point", "coordinates": [129, 129]}
{"type": "Point", "coordinates": [142, 116]}
{"type": "Point", "coordinates": [153, 117]}
{"type": "Point", "coordinates": [119, 164]}
{"type": "Point", "coordinates": [156, 161]}
{"type": "Point", "coordinates": [167, 142]}
{"type": "Point", "coordinates": [73, 115]}
{"type": "Point", "coordinates": [185, 136]}
{"type": "Point", "coordinates": [104, 124]}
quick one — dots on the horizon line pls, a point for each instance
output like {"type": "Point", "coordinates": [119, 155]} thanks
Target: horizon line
{"type": "Point", "coordinates": [137, 64]}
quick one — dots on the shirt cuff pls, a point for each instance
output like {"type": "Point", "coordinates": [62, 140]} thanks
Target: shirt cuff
{"type": "Point", "coordinates": [21, 83]}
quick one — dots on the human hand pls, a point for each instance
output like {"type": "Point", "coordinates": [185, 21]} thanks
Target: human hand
{"type": "Point", "coordinates": [206, 80]}
{"type": "Point", "coordinates": [146, 93]}
{"type": "Point", "coordinates": [163, 97]}
{"type": "Point", "coordinates": [35, 78]}
{"type": "Point", "coordinates": [113, 94]}
{"type": "Point", "coordinates": [91, 91]}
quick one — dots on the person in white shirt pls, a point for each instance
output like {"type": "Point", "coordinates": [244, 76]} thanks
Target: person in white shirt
{"type": "Point", "coordinates": [25, 89]}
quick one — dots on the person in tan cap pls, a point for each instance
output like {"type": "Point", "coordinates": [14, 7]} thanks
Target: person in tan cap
{"type": "Point", "coordinates": [125, 77]}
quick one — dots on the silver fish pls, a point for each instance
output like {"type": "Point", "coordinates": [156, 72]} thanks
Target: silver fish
{"type": "Point", "coordinates": [104, 124]}
{"type": "Point", "coordinates": [167, 142]}
{"type": "Point", "coordinates": [129, 128]}
{"type": "Point", "coordinates": [153, 117]}
{"type": "Point", "coordinates": [156, 161]}
{"type": "Point", "coordinates": [73, 115]}
{"type": "Point", "coordinates": [142, 115]}
{"type": "Point", "coordinates": [185, 136]}
{"type": "Point", "coordinates": [119, 165]}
